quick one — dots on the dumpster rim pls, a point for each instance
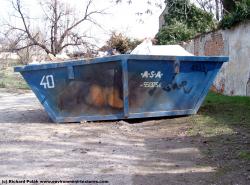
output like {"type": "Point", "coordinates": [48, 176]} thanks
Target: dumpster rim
{"type": "Point", "coordinates": [118, 58]}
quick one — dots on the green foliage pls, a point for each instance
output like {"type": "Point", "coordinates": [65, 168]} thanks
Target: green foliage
{"type": "Point", "coordinates": [183, 21]}
{"type": "Point", "coordinates": [2, 85]}
{"type": "Point", "coordinates": [244, 155]}
{"type": "Point", "coordinates": [228, 5]}
{"type": "Point", "coordinates": [121, 43]}
{"type": "Point", "coordinates": [241, 13]}
{"type": "Point", "coordinates": [175, 33]}
{"type": "Point", "coordinates": [11, 80]}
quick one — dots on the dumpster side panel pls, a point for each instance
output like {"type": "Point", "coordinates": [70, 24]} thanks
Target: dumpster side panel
{"type": "Point", "coordinates": [78, 92]}
{"type": "Point", "coordinates": [168, 87]}
{"type": "Point", "coordinates": [45, 84]}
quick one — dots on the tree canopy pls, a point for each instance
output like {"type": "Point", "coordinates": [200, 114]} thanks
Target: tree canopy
{"type": "Point", "coordinates": [238, 12]}
{"type": "Point", "coordinates": [183, 21]}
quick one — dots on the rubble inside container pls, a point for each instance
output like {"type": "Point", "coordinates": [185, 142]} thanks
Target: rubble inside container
{"type": "Point", "coordinates": [147, 48]}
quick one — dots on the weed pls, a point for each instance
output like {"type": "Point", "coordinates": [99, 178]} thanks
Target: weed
{"type": "Point", "coordinates": [11, 80]}
{"type": "Point", "coordinates": [244, 155]}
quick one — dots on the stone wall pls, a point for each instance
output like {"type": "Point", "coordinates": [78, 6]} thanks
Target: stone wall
{"type": "Point", "coordinates": [234, 77]}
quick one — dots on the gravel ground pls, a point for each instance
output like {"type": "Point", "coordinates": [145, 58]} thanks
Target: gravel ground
{"type": "Point", "coordinates": [146, 152]}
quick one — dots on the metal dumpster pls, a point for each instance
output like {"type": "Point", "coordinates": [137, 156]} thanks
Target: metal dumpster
{"type": "Point", "coordinates": [122, 86]}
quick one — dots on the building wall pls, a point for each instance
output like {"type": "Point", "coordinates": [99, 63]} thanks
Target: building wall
{"type": "Point", "coordinates": [162, 18]}
{"type": "Point", "coordinates": [234, 77]}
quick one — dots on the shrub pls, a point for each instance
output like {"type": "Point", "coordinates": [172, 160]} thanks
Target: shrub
{"type": "Point", "coordinates": [241, 13]}
{"type": "Point", "coordinates": [175, 33]}
{"type": "Point", "coordinates": [183, 21]}
{"type": "Point", "coordinates": [121, 43]}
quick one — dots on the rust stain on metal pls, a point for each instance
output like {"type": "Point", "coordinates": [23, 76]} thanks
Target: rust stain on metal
{"type": "Point", "coordinates": [82, 96]}
{"type": "Point", "coordinates": [101, 96]}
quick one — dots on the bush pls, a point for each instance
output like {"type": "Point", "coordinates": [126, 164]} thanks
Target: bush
{"type": "Point", "coordinates": [241, 13]}
{"type": "Point", "coordinates": [183, 21]}
{"type": "Point", "coordinates": [121, 43]}
{"type": "Point", "coordinates": [175, 33]}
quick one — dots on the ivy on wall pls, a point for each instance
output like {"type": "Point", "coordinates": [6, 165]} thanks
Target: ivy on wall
{"type": "Point", "coordinates": [184, 21]}
{"type": "Point", "coordinates": [240, 13]}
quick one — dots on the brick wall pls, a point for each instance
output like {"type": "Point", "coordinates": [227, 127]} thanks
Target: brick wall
{"type": "Point", "coordinates": [215, 45]}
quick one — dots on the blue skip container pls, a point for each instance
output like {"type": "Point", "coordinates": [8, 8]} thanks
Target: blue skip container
{"type": "Point", "coordinates": [122, 86]}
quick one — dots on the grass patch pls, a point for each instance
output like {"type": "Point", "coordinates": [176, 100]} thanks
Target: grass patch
{"type": "Point", "coordinates": [208, 127]}
{"type": "Point", "coordinates": [244, 155]}
{"type": "Point", "coordinates": [11, 80]}
{"type": "Point", "coordinates": [2, 85]}
{"type": "Point", "coordinates": [219, 114]}
{"type": "Point", "coordinates": [227, 109]}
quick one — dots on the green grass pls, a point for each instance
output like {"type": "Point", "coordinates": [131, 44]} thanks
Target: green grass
{"type": "Point", "coordinates": [220, 114]}
{"type": "Point", "coordinates": [11, 80]}
{"type": "Point", "coordinates": [244, 155]}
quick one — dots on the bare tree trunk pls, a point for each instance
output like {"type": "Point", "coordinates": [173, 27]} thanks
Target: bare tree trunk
{"type": "Point", "coordinates": [55, 27]}
{"type": "Point", "coordinates": [217, 11]}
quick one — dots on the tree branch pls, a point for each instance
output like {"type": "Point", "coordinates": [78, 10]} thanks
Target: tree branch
{"type": "Point", "coordinates": [18, 8]}
{"type": "Point", "coordinates": [24, 47]}
{"type": "Point", "coordinates": [59, 29]}
{"type": "Point", "coordinates": [85, 18]}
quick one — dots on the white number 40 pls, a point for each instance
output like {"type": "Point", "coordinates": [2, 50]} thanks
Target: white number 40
{"type": "Point", "coordinates": [48, 81]}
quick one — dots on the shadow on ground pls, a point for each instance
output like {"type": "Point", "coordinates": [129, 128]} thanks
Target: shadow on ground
{"type": "Point", "coordinates": [149, 151]}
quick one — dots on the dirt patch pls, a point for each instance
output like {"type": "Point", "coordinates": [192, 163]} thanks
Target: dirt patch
{"type": "Point", "coordinates": [144, 152]}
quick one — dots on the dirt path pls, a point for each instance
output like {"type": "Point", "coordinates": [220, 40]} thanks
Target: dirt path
{"type": "Point", "coordinates": [150, 152]}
